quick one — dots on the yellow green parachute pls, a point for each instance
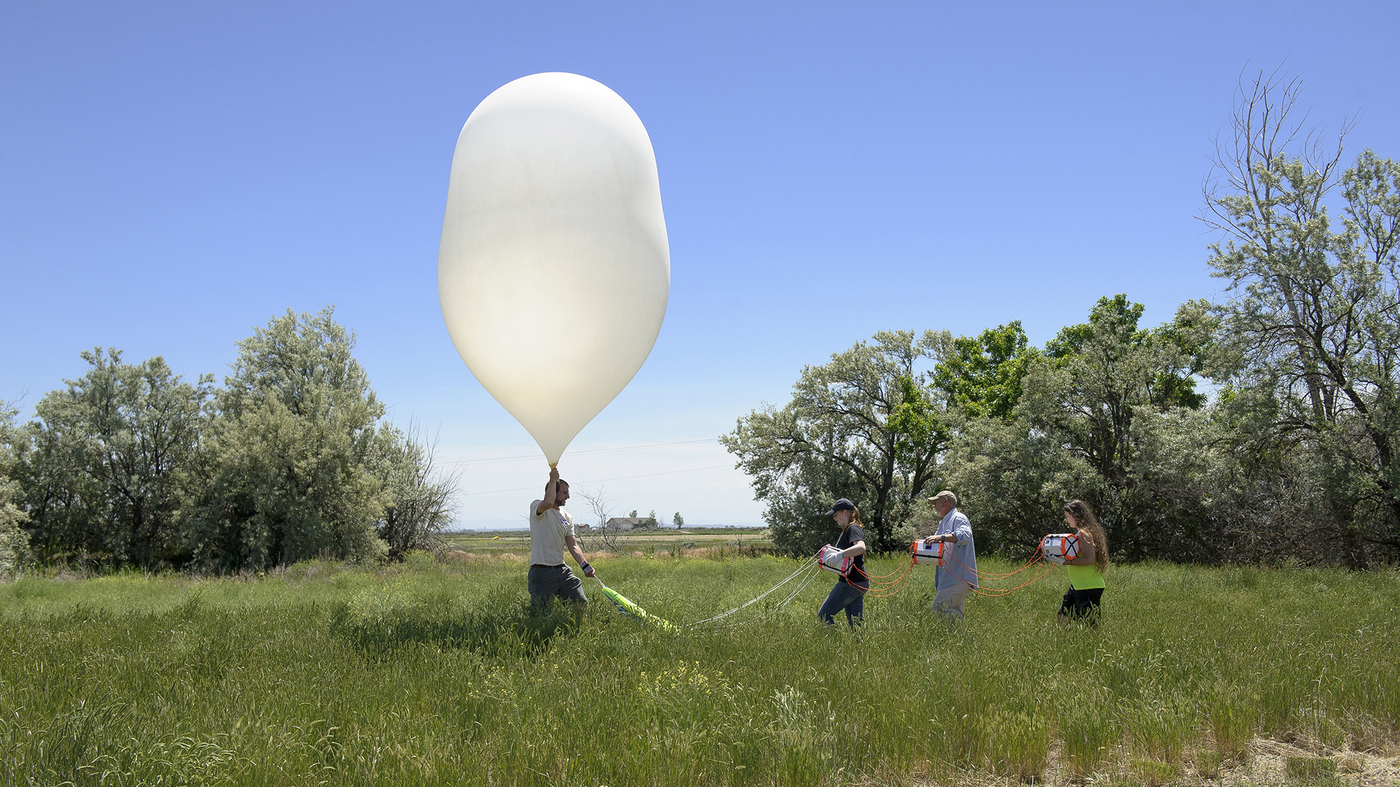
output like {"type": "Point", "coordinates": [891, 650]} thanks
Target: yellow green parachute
{"type": "Point", "coordinates": [631, 610]}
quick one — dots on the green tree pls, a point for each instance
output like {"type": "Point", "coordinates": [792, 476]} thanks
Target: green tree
{"type": "Point", "coordinates": [678, 520]}
{"type": "Point", "coordinates": [981, 375]}
{"type": "Point", "coordinates": [14, 541]}
{"type": "Point", "coordinates": [289, 470]}
{"type": "Point", "coordinates": [1100, 373]}
{"type": "Point", "coordinates": [1012, 478]}
{"type": "Point", "coordinates": [108, 458]}
{"type": "Point", "coordinates": [1314, 313]}
{"type": "Point", "coordinates": [1077, 430]}
{"type": "Point", "coordinates": [844, 434]}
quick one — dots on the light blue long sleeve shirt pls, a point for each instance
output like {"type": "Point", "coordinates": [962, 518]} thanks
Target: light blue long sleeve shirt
{"type": "Point", "coordinates": [960, 559]}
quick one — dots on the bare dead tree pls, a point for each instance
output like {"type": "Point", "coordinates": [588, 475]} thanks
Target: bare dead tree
{"type": "Point", "coordinates": [419, 504]}
{"type": "Point", "coordinates": [603, 537]}
{"type": "Point", "coordinates": [1314, 312]}
{"type": "Point", "coordinates": [1265, 192]}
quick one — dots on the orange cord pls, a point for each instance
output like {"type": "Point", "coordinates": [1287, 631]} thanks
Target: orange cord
{"type": "Point", "coordinates": [1037, 557]}
{"type": "Point", "coordinates": [888, 585]}
{"type": "Point", "coordinates": [897, 570]}
{"type": "Point", "coordinates": [999, 592]}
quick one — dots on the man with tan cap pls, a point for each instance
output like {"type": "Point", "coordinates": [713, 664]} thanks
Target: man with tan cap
{"type": "Point", "coordinates": [957, 571]}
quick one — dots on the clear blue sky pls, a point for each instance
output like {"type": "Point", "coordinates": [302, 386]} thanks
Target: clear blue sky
{"type": "Point", "coordinates": [172, 175]}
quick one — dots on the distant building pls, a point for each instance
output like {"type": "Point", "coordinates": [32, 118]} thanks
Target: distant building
{"type": "Point", "coordinates": [629, 522]}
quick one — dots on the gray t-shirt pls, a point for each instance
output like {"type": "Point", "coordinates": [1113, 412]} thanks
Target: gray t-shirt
{"type": "Point", "coordinates": [547, 532]}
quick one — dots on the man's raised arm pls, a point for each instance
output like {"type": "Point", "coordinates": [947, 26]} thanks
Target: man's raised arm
{"type": "Point", "coordinates": [550, 492]}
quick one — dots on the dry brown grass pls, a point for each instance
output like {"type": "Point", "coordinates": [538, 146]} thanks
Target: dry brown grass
{"type": "Point", "coordinates": [460, 556]}
{"type": "Point", "coordinates": [1264, 764]}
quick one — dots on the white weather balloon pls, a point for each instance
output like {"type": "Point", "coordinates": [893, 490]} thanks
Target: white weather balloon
{"type": "Point", "coordinates": [554, 270]}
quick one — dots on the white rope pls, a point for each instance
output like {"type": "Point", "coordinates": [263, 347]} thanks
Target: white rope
{"type": "Point", "coordinates": [806, 566]}
{"type": "Point", "coordinates": [773, 610]}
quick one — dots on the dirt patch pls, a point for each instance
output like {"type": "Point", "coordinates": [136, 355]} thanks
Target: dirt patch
{"type": "Point", "coordinates": [1277, 762]}
{"type": "Point", "coordinates": [1270, 763]}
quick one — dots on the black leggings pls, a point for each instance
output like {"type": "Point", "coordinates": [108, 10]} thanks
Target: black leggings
{"type": "Point", "coordinates": [1083, 604]}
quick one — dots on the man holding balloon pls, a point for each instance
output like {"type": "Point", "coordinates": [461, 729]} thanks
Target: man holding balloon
{"type": "Point", "coordinates": [553, 180]}
{"type": "Point", "coordinates": [551, 532]}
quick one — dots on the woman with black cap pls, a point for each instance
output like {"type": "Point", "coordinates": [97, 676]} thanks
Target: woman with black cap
{"type": "Point", "coordinates": [849, 593]}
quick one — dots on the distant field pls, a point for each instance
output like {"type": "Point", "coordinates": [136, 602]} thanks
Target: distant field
{"type": "Point", "coordinates": [648, 541]}
{"type": "Point", "coordinates": [439, 674]}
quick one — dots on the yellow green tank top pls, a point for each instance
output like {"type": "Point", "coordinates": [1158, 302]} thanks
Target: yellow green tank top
{"type": "Point", "coordinates": [1085, 577]}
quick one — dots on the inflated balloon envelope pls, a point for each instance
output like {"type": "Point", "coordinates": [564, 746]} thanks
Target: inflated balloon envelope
{"type": "Point", "coordinates": [554, 268]}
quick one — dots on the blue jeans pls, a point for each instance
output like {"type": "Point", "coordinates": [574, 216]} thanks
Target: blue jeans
{"type": "Point", "coordinates": [849, 596]}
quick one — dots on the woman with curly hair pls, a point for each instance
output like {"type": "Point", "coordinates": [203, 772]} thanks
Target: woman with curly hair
{"type": "Point", "coordinates": [1084, 599]}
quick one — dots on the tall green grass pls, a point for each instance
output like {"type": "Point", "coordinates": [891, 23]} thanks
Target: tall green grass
{"type": "Point", "coordinates": [441, 674]}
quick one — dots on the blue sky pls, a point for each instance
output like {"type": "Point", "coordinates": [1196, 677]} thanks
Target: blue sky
{"type": "Point", "coordinates": [172, 175]}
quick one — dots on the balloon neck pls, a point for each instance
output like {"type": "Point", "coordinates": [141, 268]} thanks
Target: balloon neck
{"type": "Point", "coordinates": [553, 465]}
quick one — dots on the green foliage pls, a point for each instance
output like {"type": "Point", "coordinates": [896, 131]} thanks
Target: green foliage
{"type": "Point", "coordinates": [1233, 716]}
{"type": "Point", "coordinates": [14, 541]}
{"type": "Point", "coordinates": [106, 462]}
{"type": "Point", "coordinates": [428, 673]}
{"type": "Point", "coordinates": [1103, 413]}
{"type": "Point", "coordinates": [1013, 479]}
{"type": "Point", "coordinates": [130, 466]}
{"type": "Point", "coordinates": [1312, 770]}
{"type": "Point", "coordinates": [857, 428]}
{"type": "Point", "coordinates": [1088, 727]}
{"type": "Point", "coordinates": [1107, 413]}
{"type": "Point", "coordinates": [917, 420]}
{"type": "Point", "coordinates": [384, 618]}
{"type": "Point", "coordinates": [981, 376]}
{"type": "Point", "coordinates": [1313, 324]}
{"type": "Point", "coordinates": [287, 475]}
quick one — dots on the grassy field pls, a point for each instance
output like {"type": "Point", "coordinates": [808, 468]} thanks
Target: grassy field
{"type": "Point", "coordinates": [438, 673]}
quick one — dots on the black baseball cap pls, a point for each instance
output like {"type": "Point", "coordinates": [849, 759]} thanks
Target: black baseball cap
{"type": "Point", "coordinates": [841, 504]}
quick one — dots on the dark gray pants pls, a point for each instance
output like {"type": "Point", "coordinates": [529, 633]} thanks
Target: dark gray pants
{"type": "Point", "coordinates": [547, 582]}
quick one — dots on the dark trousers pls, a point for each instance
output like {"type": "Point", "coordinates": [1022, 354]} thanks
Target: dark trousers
{"type": "Point", "coordinates": [547, 582]}
{"type": "Point", "coordinates": [1083, 605]}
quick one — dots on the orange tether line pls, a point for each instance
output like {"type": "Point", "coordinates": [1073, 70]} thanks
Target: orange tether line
{"type": "Point", "coordinates": [894, 577]}
{"type": "Point", "coordinates": [1035, 558]}
{"type": "Point", "coordinates": [895, 580]}
{"type": "Point", "coordinates": [892, 586]}
{"type": "Point", "coordinates": [880, 592]}
{"type": "Point", "coordinates": [891, 589]}
{"type": "Point", "coordinates": [998, 592]}
{"type": "Point", "coordinates": [888, 588]}
{"type": "Point", "coordinates": [910, 551]}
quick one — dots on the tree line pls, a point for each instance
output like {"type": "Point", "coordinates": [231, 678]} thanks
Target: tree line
{"type": "Point", "coordinates": [1292, 455]}
{"type": "Point", "coordinates": [130, 465]}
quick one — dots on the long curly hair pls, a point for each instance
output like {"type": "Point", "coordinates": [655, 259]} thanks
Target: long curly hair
{"type": "Point", "coordinates": [1084, 517]}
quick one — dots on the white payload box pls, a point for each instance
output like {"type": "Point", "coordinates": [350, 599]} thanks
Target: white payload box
{"type": "Point", "coordinates": [830, 559]}
{"type": "Point", "coordinates": [931, 554]}
{"type": "Point", "coordinates": [1060, 547]}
